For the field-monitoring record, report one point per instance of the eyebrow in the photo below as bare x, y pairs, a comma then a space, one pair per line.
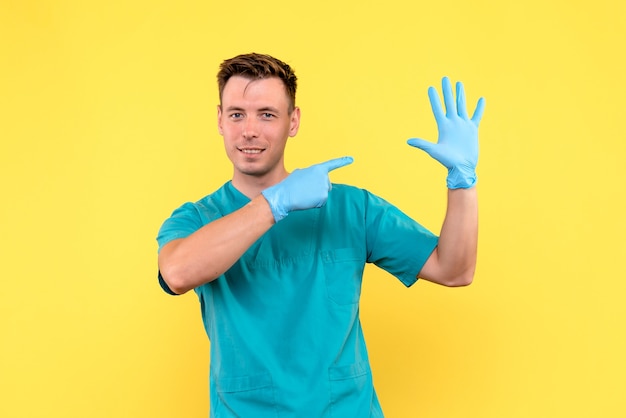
269, 109
262, 109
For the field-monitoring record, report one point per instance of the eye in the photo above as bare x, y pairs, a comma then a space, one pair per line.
267, 115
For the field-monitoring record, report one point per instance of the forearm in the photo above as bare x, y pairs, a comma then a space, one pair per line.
454, 260
206, 254
458, 239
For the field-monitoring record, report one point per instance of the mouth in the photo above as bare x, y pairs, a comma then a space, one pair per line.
250, 150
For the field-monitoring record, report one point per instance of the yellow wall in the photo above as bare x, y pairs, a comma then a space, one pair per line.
107, 123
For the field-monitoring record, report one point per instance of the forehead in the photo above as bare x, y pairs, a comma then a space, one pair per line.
240, 90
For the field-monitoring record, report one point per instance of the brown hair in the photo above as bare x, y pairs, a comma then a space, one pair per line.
258, 66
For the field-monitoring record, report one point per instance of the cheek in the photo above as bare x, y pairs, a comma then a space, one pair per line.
229, 130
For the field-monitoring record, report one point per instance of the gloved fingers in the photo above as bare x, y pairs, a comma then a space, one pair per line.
478, 113
460, 100
435, 104
336, 163
448, 97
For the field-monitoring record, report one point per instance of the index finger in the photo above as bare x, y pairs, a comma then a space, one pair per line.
435, 104
336, 163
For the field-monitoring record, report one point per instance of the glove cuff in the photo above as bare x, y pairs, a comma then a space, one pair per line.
461, 178
271, 195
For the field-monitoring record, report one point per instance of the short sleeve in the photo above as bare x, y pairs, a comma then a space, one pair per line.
183, 222
395, 242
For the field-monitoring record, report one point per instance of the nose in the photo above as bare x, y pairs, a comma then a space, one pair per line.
250, 128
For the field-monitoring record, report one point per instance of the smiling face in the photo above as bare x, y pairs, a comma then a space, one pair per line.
255, 122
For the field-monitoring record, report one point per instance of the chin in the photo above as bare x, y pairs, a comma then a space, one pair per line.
252, 170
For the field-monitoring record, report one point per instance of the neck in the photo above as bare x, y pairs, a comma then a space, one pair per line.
251, 186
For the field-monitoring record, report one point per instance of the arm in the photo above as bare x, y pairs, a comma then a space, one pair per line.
454, 260
205, 255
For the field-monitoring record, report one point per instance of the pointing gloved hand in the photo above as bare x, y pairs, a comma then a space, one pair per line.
457, 145
304, 188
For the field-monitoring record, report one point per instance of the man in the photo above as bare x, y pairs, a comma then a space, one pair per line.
277, 259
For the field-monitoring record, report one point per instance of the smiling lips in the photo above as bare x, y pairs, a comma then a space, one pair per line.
251, 150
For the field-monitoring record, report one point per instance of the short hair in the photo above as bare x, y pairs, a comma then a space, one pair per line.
258, 66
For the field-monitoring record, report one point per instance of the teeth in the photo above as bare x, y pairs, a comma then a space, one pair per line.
251, 151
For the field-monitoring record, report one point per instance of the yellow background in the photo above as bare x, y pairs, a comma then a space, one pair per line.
107, 123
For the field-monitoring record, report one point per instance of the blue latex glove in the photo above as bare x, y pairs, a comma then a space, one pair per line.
457, 145
305, 188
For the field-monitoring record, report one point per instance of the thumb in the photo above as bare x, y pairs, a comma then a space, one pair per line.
336, 163
421, 144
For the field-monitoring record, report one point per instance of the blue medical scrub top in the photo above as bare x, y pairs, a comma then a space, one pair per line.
283, 321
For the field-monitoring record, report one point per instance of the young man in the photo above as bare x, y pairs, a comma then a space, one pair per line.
277, 258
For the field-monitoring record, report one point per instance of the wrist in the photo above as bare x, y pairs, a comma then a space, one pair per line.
261, 210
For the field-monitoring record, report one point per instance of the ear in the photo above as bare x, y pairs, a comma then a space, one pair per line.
294, 123
219, 119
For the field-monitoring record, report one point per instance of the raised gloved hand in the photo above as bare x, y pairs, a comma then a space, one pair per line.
457, 145
304, 188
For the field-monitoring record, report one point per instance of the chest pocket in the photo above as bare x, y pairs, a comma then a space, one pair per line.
343, 271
